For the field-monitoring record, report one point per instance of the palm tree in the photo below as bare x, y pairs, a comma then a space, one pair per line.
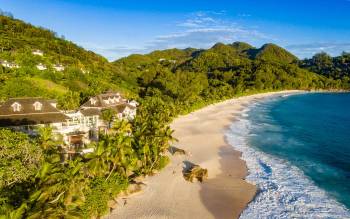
97, 162
59, 191
122, 126
45, 138
108, 116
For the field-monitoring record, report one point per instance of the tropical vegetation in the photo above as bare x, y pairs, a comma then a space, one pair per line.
37, 183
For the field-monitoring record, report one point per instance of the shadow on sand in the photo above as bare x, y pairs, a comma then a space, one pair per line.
227, 194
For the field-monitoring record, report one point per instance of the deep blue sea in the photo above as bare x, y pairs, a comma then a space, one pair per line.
297, 149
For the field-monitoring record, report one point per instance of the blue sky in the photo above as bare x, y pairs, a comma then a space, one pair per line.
121, 27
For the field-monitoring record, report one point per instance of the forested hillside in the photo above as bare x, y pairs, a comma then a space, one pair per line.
192, 78
85, 73
332, 67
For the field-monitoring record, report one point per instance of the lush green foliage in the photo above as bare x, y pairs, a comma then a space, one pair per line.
85, 73
333, 67
171, 82
108, 116
19, 158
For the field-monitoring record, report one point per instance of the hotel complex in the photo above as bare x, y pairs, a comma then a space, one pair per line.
76, 128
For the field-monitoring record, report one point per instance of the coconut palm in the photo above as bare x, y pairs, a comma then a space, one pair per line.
60, 191
97, 162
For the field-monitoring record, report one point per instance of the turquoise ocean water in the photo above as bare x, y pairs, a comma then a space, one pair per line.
297, 149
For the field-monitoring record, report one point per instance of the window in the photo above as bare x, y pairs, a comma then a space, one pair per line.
38, 106
16, 107
93, 101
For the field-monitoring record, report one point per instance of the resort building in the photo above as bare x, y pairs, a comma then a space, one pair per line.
41, 67
76, 128
79, 130
58, 67
123, 108
26, 114
38, 52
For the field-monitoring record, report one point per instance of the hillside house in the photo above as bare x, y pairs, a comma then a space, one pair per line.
79, 130
26, 114
123, 108
38, 52
58, 67
8, 64
41, 67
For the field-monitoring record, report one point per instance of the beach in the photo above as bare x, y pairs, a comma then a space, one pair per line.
224, 194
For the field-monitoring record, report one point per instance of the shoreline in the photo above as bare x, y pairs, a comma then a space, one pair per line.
202, 134
285, 190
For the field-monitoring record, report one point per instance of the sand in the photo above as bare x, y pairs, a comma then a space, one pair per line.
224, 194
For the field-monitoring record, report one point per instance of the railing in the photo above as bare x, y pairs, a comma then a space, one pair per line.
72, 128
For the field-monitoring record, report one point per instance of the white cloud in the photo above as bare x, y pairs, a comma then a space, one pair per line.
198, 30
202, 30
244, 15
310, 49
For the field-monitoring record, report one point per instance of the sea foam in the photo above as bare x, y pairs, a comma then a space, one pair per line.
283, 190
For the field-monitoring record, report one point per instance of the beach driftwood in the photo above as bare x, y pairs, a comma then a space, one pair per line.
193, 172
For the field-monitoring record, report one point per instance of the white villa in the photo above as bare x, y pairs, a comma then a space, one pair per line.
41, 67
58, 67
8, 64
38, 52
76, 128
24, 114
123, 108
170, 60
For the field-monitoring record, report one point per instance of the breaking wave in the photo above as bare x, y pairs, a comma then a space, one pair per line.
283, 189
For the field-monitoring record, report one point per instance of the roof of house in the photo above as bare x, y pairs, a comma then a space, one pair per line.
90, 112
105, 100
27, 114
98, 111
52, 101
120, 108
130, 106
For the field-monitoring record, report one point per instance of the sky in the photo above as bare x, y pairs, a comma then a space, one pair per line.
119, 28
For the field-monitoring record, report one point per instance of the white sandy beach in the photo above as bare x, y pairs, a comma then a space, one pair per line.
224, 195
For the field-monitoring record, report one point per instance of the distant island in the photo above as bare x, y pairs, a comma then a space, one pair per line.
39, 182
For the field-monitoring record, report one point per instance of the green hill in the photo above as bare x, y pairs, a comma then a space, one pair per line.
242, 46
332, 67
85, 73
197, 77
274, 53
